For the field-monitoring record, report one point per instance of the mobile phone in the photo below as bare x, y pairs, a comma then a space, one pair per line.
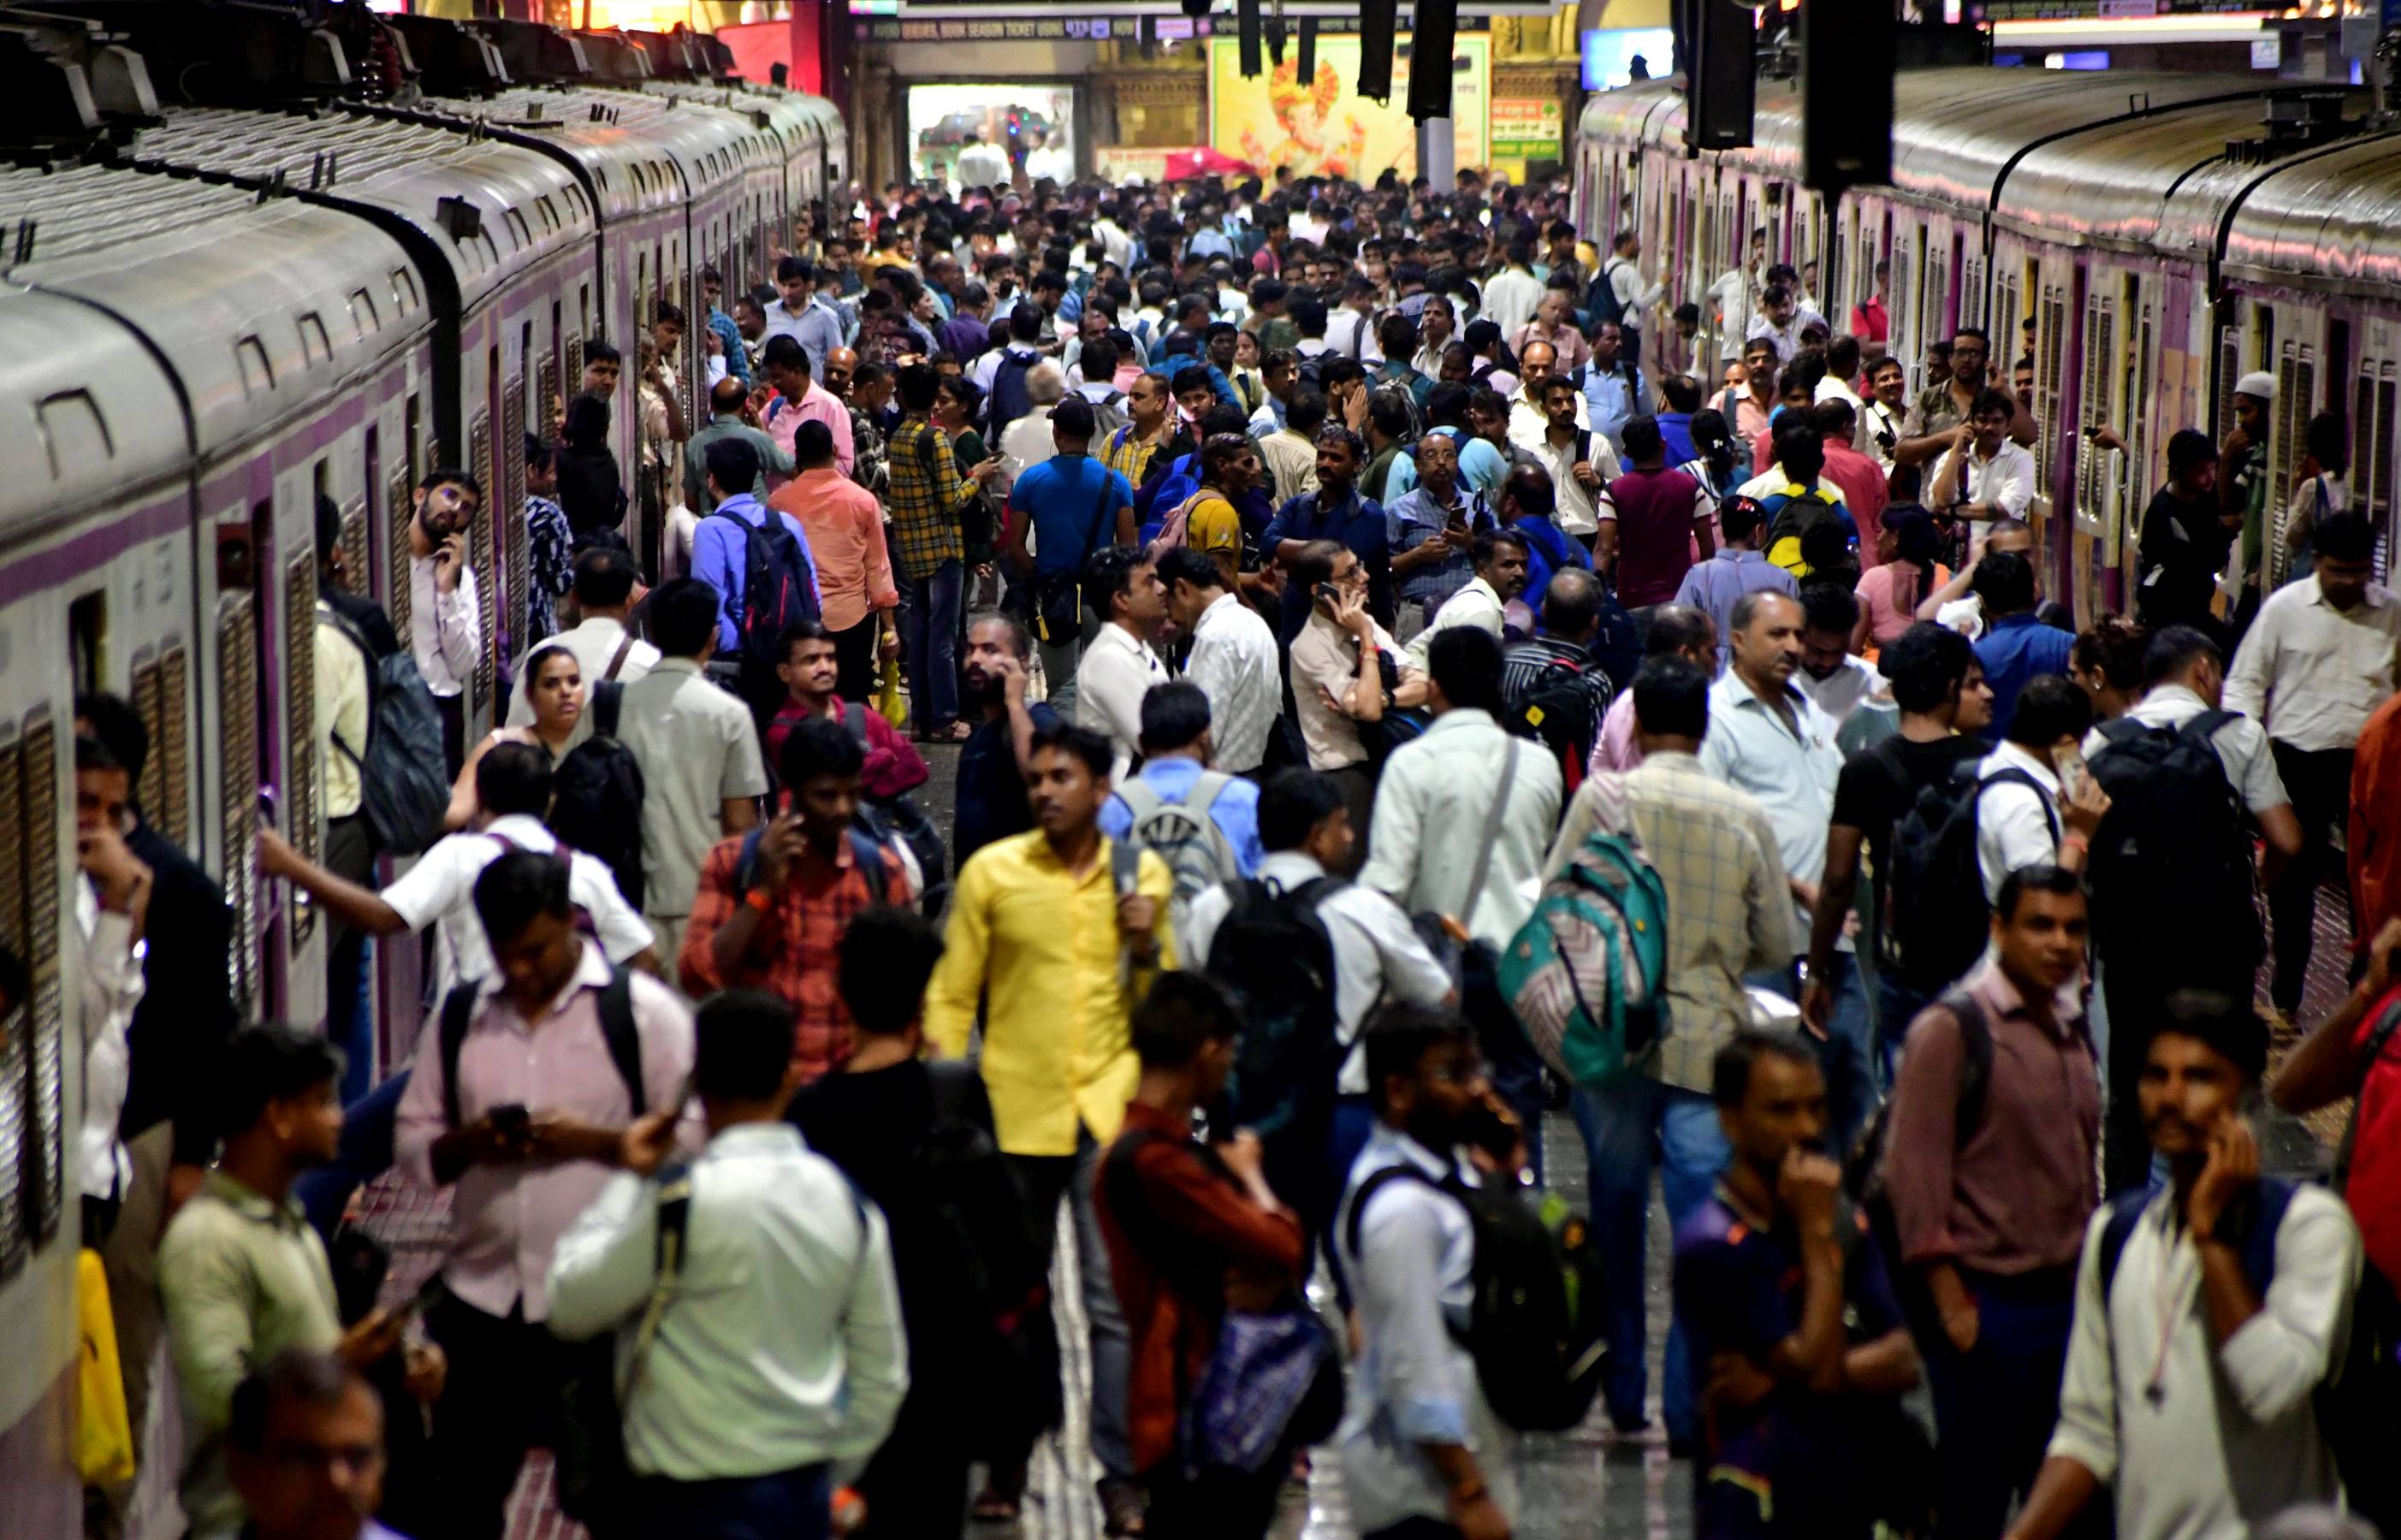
429, 1294
1327, 593
1485, 1129
2073, 772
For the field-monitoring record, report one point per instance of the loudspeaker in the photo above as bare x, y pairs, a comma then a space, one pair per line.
1433, 40
1377, 22
1717, 95
1846, 63
1275, 40
1246, 18
1305, 65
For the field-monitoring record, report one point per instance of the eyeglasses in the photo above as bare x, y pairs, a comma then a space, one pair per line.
349, 1460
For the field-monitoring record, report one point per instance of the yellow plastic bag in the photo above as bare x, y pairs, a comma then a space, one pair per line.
893, 709
103, 1433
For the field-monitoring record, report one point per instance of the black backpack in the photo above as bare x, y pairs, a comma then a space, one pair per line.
1011, 399
1863, 1173
1535, 1325
1560, 713
1936, 916
2171, 863
1600, 301
404, 772
1274, 947
899, 816
617, 1029
779, 590
597, 796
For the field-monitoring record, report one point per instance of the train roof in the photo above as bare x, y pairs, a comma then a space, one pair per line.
2143, 185
258, 306
2329, 218
376, 161
644, 152
87, 414
787, 114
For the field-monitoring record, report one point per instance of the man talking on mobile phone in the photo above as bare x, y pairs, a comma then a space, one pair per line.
445, 628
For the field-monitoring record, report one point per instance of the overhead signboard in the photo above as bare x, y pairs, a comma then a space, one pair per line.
2104, 10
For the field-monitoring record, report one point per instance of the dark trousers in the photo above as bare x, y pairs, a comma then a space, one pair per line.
854, 659
1216, 1505
498, 1400
2319, 783
1418, 1529
917, 1483
453, 711
350, 854
1046, 1181
787, 1505
1995, 1404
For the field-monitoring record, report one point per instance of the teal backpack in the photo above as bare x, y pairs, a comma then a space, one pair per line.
1586, 972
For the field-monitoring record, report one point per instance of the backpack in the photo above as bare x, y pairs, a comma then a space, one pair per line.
1174, 530
597, 796
617, 1030
1198, 856
1108, 414
1274, 946
866, 848
1009, 398
1586, 974
1558, 713
1535, 1325
403, 775
1797, 531
1600, 301
2171, 863
2358, 1403
1864, 1178
779, 590
1936, 916
1618, 644
899, 816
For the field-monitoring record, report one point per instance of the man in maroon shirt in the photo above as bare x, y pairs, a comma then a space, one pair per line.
1193, 1230
809, 671
1651, 519
1991, 1189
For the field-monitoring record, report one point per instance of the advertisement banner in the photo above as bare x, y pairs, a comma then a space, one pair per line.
1118, 164
1323, 126
1526, 128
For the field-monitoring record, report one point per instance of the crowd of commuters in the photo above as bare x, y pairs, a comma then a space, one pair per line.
1312, 581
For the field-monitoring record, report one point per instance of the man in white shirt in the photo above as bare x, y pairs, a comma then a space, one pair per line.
1528, 421
1234, 660
2315, 664
774, 1357
1736, 295
1635, 298
1512, 294
1122, 584
112, 902
2026, 816
1377, 955
605, 650
1834, 680
1027, 441
1778, 322
1350, 331
2207, 1315
1984, 476
512, 788
981, 165
1501, 558
445, 628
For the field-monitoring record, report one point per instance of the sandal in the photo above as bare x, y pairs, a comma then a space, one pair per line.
1121, 1510
992, 1507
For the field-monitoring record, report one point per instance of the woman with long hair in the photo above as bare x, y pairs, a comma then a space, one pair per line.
1907, 545
1717, 463
554, 688
590, 491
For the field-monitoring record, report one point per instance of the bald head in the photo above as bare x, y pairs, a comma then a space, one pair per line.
726, 397
1571, 605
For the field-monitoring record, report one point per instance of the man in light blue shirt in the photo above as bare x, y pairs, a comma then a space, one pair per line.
1736, 569
1614, 388
1175, 750
1431, 530
721, 552
805, 315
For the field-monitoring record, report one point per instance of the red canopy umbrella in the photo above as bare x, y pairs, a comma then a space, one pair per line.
1185, 164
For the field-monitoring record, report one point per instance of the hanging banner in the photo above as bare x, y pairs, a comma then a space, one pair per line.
1526, 128
1323, 128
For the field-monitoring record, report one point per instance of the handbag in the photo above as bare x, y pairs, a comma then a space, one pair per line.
1273, 1382
595, 1478
103, 1431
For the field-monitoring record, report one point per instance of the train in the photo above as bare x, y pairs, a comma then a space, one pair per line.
256, 255
2166, 234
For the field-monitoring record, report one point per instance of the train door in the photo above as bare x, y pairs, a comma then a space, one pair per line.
1903, 295
2375, 399
2300, 353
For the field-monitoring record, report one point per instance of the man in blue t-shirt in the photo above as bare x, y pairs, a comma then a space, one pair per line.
1060, 511
2016, 647
1795, 1334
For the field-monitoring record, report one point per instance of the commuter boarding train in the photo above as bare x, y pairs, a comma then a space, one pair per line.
2166, 234
256, 254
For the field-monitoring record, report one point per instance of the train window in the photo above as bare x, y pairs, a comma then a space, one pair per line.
45, 1082
15, 1042
150, 786
73, 431
364, 318
403, 289
300, 771
87, 638
514, 554
479, 538
171, 748
250, 357
549, 216
238, 789
519, 229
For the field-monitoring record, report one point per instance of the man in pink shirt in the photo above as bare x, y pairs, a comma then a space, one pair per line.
1859, 479
800, 399
559, 1058
1670, 630
846, 529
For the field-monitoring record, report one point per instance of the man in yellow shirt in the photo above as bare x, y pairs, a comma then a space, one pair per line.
1058, 931
1230, 468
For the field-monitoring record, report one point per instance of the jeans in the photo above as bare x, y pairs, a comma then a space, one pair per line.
1045, 1180
929, 641
1995, 1404
1848, 1058
2319, 782
1897, 1005
1059, 660
785, 1504
350, 1018
1621, 1126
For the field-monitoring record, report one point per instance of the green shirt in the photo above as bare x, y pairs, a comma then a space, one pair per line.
244, 1279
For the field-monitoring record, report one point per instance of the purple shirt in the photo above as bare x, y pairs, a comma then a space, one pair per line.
507, 1217
1716, 584
967, 336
